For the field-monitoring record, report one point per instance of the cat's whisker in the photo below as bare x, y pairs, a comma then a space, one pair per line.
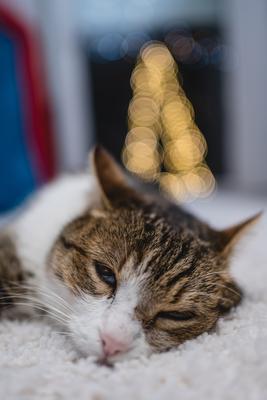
66, 334
56, 299
214, 284
54, 318
49, 293
38, 307
125, 247
228, 288
49, 290
220, 273
62, 285
30, 300
58, 311
37, 300
38, 304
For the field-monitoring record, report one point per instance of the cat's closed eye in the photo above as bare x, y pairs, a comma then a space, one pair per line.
105, 274
176, 315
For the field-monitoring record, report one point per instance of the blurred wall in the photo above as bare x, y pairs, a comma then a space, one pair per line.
245, 26
26, 8
68, 80
54, 24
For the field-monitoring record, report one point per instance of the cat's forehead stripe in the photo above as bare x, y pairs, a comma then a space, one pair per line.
142, 267
186, 273
169, 256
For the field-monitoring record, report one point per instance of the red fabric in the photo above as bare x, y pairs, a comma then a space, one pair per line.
35, 102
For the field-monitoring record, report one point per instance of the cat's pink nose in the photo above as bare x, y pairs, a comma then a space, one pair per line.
112, 345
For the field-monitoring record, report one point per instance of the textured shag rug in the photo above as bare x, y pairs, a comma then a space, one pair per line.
230, 363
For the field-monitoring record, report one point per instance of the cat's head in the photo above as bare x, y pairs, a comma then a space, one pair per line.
140, 274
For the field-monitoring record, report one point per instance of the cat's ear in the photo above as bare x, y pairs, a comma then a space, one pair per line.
228, 238
112, 180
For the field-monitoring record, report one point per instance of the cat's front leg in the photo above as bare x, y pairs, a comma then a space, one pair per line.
12, 276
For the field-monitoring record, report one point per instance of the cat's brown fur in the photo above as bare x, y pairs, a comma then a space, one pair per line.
185, 263
11, 271
180, 262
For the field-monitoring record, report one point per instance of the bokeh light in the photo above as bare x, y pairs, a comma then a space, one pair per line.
164, 143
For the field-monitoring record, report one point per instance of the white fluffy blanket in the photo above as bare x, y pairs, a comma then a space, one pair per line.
231, 363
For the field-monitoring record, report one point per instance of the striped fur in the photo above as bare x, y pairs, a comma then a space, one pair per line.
174, 266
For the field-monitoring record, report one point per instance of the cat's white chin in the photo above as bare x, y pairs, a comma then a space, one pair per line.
139, 350
96, 353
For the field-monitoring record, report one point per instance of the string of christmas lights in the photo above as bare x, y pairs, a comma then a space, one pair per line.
164, 143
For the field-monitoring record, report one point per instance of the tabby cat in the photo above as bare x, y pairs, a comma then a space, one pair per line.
124, 273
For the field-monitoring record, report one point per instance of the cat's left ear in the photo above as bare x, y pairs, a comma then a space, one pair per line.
112, 181
230, 236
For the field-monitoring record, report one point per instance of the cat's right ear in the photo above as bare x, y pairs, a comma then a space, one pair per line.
112, 181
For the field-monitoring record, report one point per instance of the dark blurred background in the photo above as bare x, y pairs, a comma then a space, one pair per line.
65, 71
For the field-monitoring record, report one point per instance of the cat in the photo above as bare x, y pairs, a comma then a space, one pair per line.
124, 273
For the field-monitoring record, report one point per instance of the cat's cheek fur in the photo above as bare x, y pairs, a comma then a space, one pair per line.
85, 323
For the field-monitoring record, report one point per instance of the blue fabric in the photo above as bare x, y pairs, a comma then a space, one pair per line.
16, 175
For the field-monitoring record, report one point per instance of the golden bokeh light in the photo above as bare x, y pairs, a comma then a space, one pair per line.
156, 56
163, 142
142, 159
184, 153
143, 111
173, 185
142, 134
